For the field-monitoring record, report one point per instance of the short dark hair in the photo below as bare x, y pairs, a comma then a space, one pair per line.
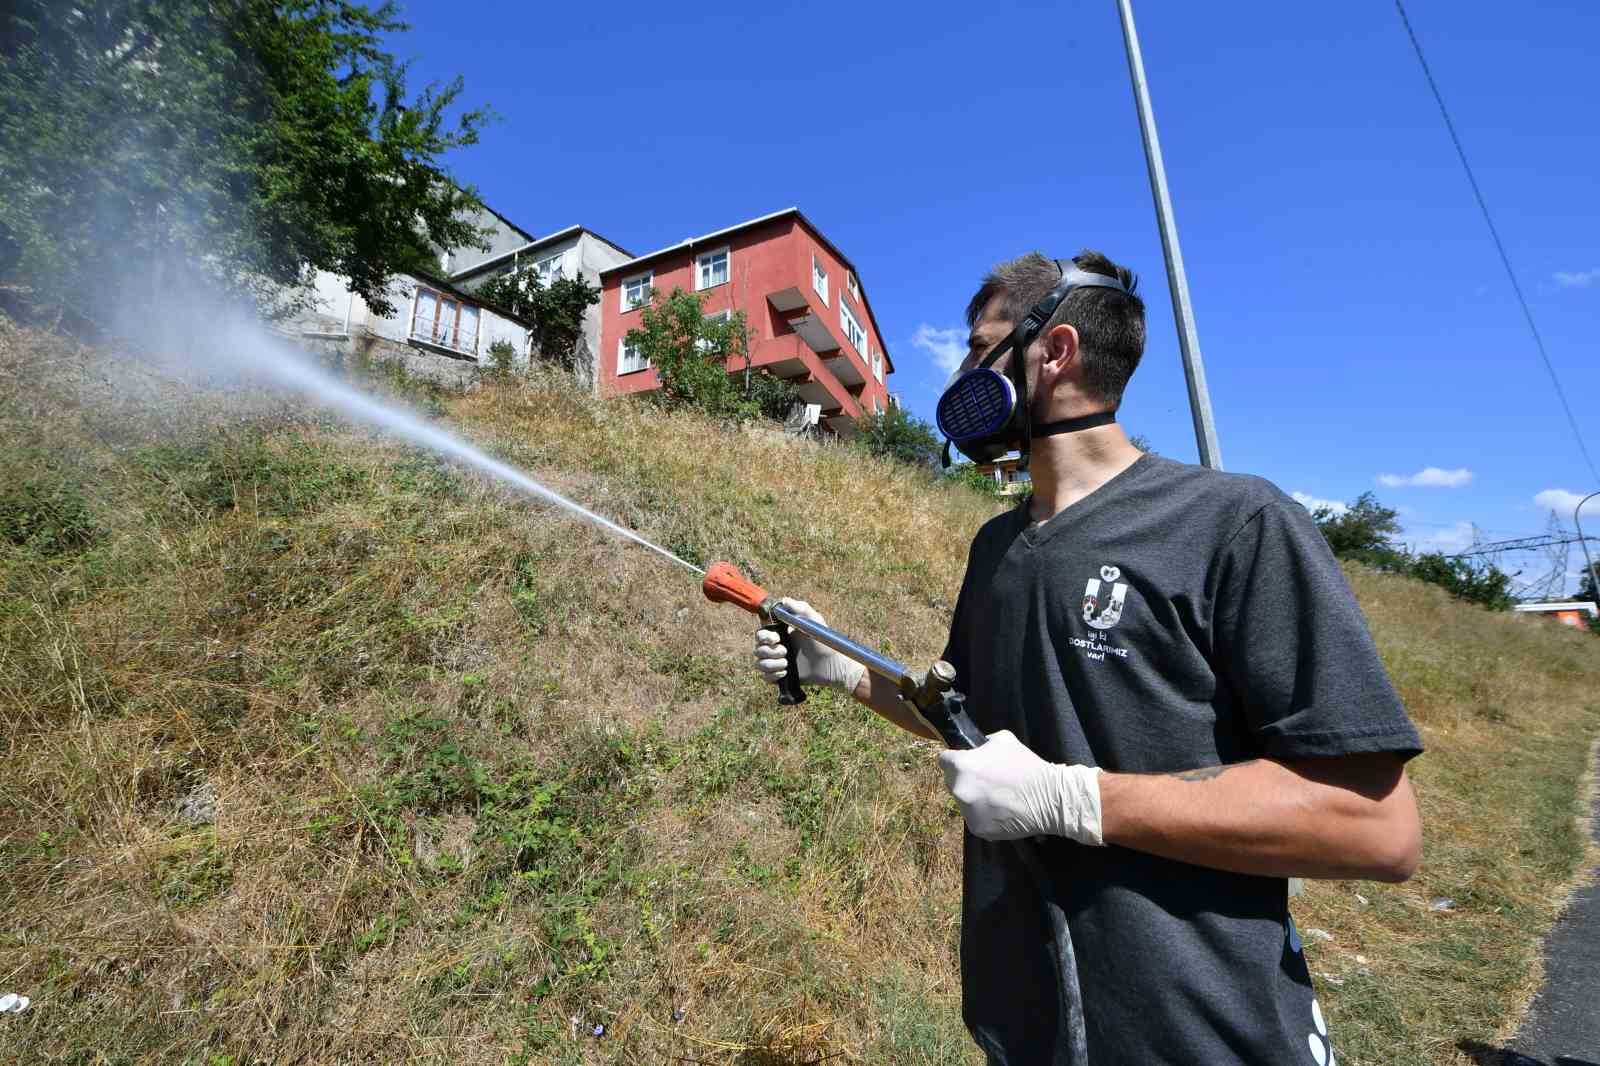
1110, 324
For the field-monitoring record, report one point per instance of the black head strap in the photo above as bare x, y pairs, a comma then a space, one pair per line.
1071, 278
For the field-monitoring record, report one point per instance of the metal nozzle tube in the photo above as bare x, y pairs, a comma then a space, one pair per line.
878, 664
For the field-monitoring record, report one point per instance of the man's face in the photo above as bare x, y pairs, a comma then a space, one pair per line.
991, 328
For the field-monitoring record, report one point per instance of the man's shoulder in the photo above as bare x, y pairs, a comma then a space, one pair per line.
1231, 498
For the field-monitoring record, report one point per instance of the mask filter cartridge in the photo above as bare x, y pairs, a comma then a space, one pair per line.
977, 404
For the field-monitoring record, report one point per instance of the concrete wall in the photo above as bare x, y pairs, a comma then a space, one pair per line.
595, 256
502, 238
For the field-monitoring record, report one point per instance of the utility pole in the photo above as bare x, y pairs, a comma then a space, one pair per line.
1205, 430
1594, 578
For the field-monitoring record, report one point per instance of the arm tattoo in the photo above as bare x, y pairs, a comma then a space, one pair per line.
1206, 773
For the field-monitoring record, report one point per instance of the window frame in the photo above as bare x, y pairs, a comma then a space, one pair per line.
555, 272
452, 337
852, 284
648, 277
819, 270
858, 338
726, 252
623, 348
715, 316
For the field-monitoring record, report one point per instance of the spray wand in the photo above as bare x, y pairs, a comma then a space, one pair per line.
932, 697
934, 701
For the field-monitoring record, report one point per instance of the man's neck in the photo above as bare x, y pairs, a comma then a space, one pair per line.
1068, 466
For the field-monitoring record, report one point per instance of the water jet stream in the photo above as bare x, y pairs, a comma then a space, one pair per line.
290, 368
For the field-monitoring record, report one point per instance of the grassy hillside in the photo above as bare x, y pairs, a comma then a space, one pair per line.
321, 751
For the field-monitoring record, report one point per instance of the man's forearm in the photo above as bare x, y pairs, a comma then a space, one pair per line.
883, 696
1348, 817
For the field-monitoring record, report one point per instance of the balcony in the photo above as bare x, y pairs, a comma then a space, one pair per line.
846, 367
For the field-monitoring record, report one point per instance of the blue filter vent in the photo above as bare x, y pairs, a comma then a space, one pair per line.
975, 405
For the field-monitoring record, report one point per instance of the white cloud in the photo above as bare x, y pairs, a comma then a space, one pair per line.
947, 346
1562, 502
1313, 504
1431, 478
1579, 279
1446, 539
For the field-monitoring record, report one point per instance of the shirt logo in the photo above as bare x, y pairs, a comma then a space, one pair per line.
1111, 614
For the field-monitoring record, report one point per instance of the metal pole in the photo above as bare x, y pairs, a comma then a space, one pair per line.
1205, 430
1593, 577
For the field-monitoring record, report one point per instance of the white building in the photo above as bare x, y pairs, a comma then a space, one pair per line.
438, 329
572, 252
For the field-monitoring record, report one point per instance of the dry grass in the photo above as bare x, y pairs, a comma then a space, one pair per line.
479, 771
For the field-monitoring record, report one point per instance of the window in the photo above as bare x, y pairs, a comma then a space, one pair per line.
548, 269
711, 269
852, 330
445, 321
850, 280
819, 279
877, 366
635, 292
704, 343
629, 359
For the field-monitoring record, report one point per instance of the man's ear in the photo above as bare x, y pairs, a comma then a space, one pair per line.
1060, 350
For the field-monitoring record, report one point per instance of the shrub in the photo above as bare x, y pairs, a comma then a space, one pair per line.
899, 435
690, 354
502, 357
969, 476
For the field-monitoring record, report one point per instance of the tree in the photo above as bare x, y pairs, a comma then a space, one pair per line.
1363, 532
1586, 589
690, 353
251, 141
1481, 583
556, 310
899, 435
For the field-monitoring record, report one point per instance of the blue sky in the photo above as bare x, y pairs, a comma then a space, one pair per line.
1353, 315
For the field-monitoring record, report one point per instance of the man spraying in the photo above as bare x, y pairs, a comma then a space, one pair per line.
1183, 705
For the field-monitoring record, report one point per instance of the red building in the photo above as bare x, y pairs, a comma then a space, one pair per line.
807, 310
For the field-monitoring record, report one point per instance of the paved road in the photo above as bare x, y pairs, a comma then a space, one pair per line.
1563, 1024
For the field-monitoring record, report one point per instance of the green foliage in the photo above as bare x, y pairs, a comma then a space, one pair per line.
1365, 533
970, 477
899, 435
555, 310
1481, 583
249, 139
690, 353
502, 355
1140, 441
47, 514
203, 479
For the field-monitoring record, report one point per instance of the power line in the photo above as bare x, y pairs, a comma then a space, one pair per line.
1505, 260
1520, 544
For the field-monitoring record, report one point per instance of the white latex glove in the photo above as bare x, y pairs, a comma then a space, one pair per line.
1006, 792
818, 665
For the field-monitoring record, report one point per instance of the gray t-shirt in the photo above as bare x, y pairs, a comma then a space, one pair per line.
1175, 618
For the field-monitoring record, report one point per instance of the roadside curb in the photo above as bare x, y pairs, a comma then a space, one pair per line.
1562, 1024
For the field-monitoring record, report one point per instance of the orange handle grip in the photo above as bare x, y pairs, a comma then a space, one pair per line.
724, 584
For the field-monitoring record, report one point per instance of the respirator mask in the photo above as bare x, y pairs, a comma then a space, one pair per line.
984, 413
